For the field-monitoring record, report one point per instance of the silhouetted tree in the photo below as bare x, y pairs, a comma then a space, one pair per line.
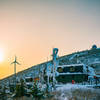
36, 92
3, 95
20, 89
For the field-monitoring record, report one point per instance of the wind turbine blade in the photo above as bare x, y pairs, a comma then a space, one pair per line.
15, 61
15, 58
18, 63
12, 62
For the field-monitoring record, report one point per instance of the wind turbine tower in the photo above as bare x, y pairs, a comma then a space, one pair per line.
15, 63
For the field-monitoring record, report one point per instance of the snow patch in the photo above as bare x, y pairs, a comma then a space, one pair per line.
74, 91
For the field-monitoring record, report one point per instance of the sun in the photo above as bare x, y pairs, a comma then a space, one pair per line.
1, 55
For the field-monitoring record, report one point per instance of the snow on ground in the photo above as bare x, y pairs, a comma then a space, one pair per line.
76, 92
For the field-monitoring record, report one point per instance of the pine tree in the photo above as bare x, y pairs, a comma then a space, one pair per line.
20, 90
3, 95
36, 92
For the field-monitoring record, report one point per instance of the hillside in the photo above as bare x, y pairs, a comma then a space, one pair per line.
86, 57
90, 57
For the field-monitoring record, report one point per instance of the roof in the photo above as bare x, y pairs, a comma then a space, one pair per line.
96, 62
71, 65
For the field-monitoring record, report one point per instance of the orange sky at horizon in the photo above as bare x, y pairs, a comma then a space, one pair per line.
30, 29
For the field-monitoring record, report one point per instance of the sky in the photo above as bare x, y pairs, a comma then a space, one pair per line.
30, 29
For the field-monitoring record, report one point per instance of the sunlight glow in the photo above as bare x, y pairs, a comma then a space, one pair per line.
1, 55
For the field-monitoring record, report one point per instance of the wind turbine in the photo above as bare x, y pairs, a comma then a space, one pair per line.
15, 62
